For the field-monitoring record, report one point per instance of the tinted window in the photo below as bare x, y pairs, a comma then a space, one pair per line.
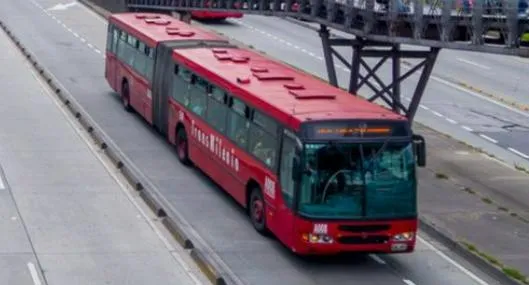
238, 124
198, 96
265, 122
180, 85
216, 111
263, 145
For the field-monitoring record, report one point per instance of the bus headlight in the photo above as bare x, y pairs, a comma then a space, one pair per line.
317, 238
406, 236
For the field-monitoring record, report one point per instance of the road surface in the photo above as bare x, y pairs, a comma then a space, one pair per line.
65, 217
71, 43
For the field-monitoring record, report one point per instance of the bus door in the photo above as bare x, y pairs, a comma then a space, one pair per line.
284, 216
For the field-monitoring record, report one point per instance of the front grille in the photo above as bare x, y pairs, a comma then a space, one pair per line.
374, 239
364, 228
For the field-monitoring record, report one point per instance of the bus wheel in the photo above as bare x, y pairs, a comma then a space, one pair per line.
182, 146
258, 211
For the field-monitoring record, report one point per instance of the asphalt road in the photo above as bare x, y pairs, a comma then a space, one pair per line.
446, 107
64, 217
70, 42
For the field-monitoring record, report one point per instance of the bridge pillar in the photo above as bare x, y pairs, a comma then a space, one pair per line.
388, 92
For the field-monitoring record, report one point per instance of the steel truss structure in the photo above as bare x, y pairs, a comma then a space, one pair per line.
388, 92
491, 26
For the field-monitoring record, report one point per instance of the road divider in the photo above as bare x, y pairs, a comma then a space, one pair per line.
217, 273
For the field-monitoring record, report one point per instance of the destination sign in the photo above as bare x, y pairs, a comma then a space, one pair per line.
352, 131
359, 129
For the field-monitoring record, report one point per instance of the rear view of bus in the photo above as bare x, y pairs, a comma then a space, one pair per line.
355, 186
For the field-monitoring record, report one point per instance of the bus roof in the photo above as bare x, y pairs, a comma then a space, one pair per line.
285, 93
154, 28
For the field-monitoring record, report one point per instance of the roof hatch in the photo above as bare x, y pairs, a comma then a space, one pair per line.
185, 33
311, 94
219, 50
172, 30
240, 59
294, 86
158, 21
223, 56
272, 76
258, 69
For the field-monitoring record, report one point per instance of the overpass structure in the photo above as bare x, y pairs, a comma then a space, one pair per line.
380, 28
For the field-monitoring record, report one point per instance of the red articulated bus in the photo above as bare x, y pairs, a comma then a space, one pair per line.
324, 171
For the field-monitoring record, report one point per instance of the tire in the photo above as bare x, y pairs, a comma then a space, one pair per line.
257, 211
125, 97
182, 146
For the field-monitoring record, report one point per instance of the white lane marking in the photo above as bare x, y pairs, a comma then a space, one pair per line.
408, 282
518, 152
455, 86
437, 114
123, 187
90, 46
2, 184
453, 262
467, 128
97, 51
488, 138
377, 259
82, 40
451, 121
62, 6
34, 274
424, 107
473, 63
75, 34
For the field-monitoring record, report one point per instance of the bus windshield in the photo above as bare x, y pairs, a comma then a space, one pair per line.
358, 181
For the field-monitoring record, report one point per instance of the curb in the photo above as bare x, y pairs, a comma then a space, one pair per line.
428, 226
206, 263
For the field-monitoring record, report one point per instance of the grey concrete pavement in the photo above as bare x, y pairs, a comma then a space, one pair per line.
63, 215
250, 256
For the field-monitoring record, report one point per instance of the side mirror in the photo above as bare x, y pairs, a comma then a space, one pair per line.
420, 149
296, 169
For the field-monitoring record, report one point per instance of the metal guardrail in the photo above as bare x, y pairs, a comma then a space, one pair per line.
490, 26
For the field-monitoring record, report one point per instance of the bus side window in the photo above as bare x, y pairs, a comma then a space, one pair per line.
149, 61
131, 52
217, 109
140, 58
198, 95
238, 123
263, 139
288, 152
180, 84
122, 46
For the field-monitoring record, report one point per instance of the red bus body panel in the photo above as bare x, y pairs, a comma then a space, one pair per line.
283, 93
